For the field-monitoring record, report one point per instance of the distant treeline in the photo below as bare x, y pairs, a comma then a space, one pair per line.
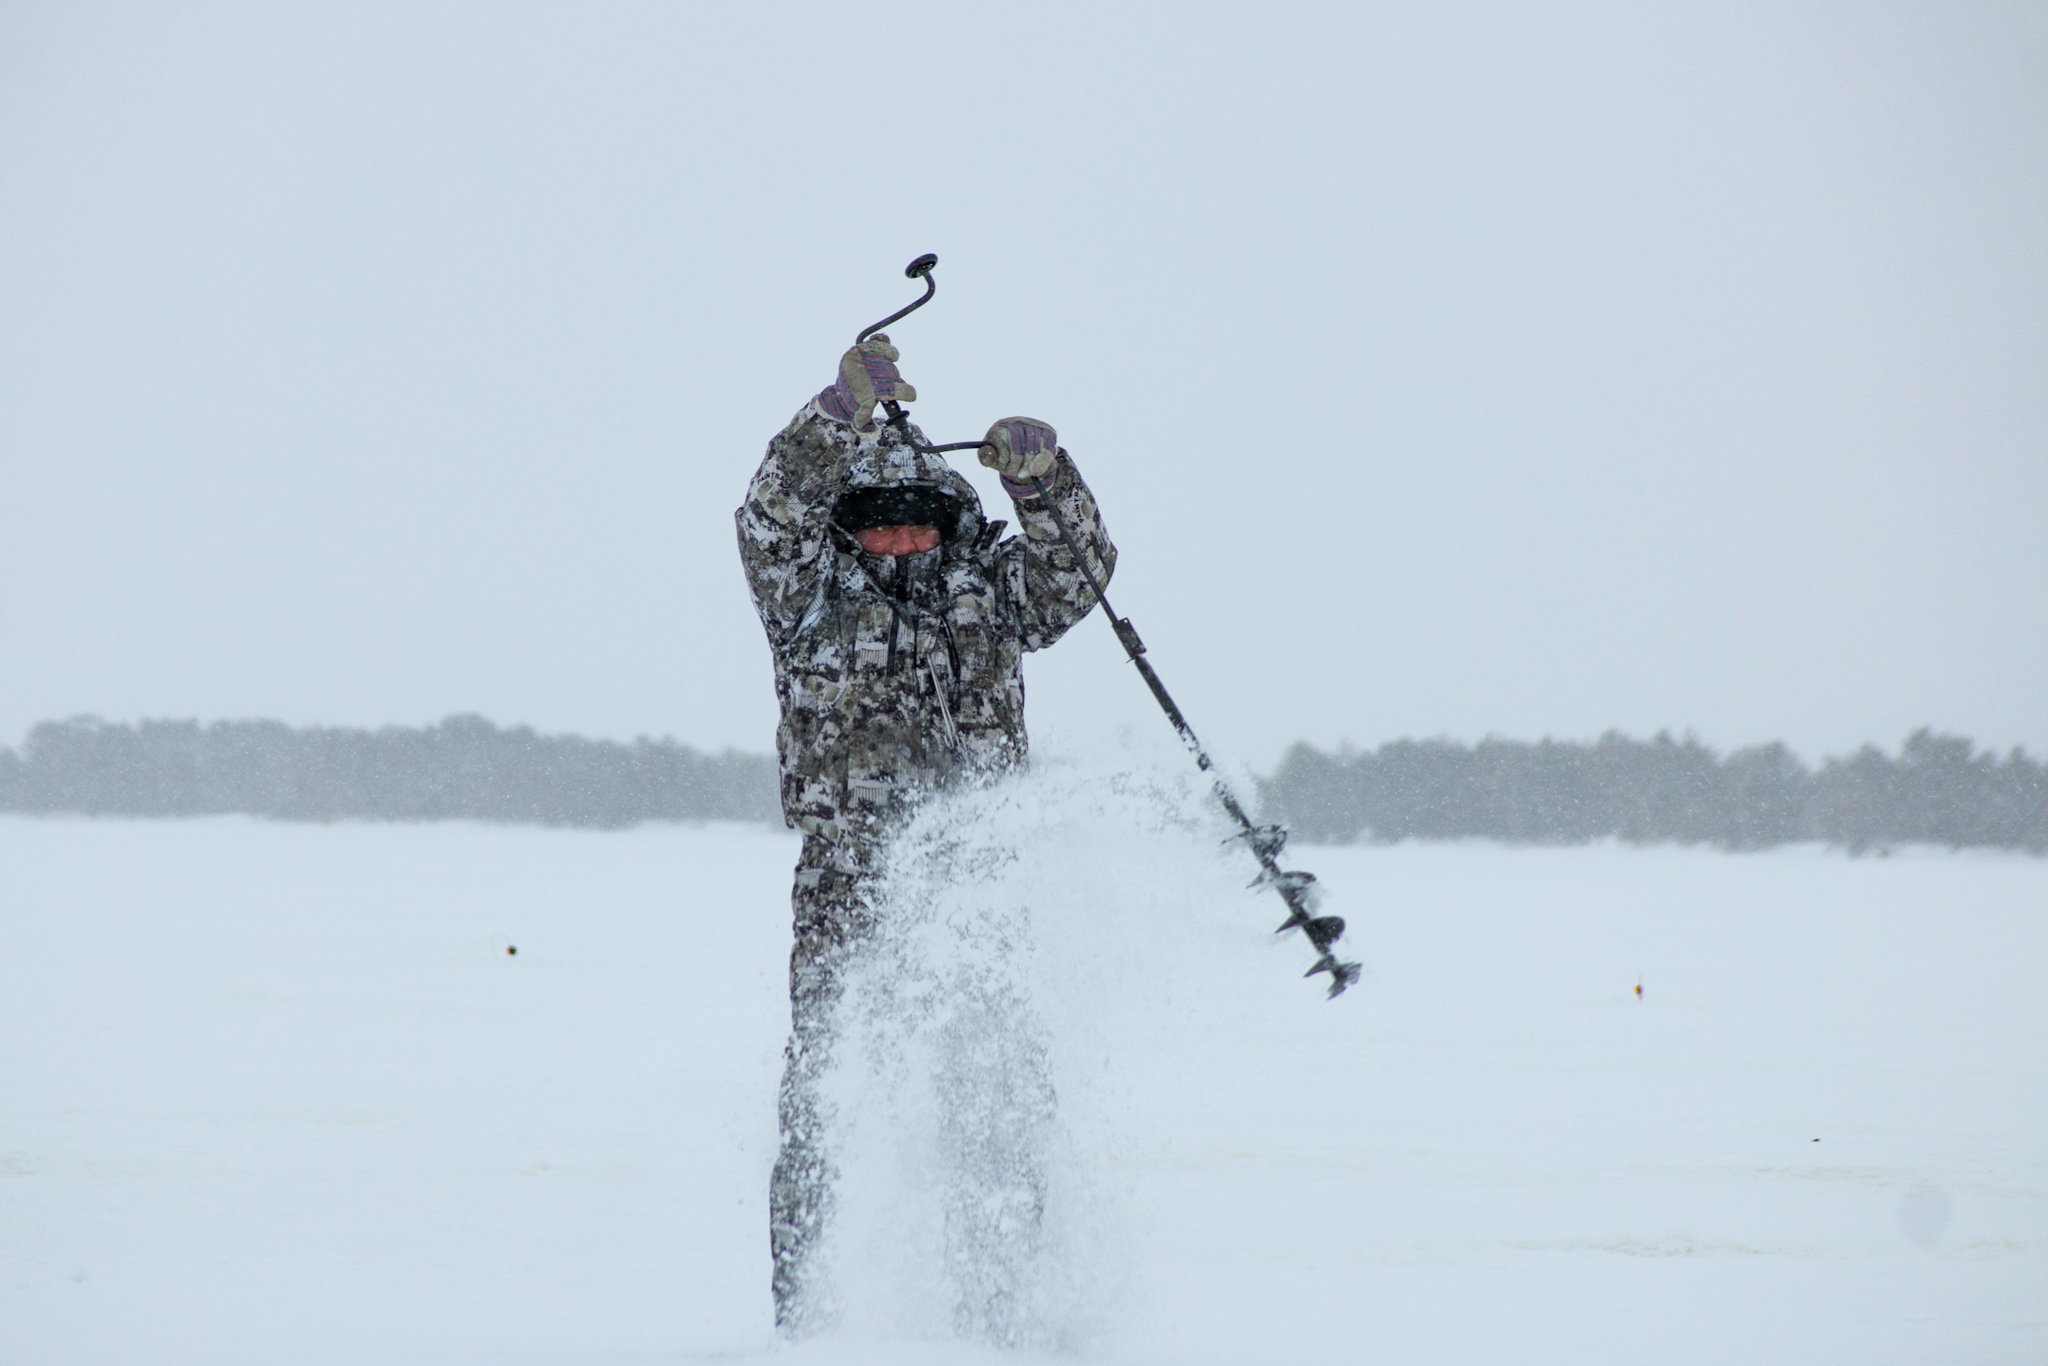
464, 767
1939, 790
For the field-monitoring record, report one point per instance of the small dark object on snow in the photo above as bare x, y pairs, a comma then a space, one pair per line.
511, 950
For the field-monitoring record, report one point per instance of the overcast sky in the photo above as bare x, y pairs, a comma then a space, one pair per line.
1526, 370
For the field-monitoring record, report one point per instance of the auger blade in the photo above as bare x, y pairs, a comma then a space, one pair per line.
1291, 883
1342, 975
1264, 840
1322, 930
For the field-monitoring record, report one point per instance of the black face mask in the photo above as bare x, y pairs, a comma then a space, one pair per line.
912, 505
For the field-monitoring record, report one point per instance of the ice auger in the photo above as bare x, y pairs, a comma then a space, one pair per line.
1297, 889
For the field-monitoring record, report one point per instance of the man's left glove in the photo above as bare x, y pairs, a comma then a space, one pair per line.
867, 376
1019, 448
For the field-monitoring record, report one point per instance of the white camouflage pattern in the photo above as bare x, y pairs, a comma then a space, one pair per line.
895, 673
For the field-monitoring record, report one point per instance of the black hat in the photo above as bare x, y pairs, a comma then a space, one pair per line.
898, 505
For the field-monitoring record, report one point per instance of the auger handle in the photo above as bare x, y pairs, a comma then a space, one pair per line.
920, 269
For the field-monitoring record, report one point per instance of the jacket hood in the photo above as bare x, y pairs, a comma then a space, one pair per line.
892, 462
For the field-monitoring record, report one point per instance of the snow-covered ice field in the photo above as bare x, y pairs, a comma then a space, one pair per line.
279, 1094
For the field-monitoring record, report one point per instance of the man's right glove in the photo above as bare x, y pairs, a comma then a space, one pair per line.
867, 376
1019, 448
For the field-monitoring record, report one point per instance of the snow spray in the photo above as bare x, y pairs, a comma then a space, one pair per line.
1026, 969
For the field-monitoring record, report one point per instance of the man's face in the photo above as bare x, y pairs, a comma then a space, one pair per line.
898, 540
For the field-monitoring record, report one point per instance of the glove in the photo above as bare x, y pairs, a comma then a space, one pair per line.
1019, 448
867, 376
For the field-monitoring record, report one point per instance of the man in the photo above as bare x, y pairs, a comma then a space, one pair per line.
898, 618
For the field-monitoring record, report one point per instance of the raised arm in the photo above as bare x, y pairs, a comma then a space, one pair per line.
785, 545
1050, 590
785, 542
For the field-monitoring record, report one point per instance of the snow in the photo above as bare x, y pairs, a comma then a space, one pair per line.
279, 1093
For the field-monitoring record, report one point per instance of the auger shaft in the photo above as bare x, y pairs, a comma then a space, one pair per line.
1295, 888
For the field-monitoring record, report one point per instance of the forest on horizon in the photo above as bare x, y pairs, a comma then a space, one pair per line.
1938, 789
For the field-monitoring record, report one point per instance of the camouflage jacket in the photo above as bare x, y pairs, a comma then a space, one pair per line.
898, 672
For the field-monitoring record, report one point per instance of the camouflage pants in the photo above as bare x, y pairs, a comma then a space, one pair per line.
832, 915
